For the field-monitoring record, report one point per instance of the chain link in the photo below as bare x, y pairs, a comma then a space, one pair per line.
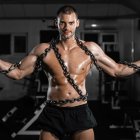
12, 67
88, 52
67, 74
131, 65
65, 101
65, 71
39, 62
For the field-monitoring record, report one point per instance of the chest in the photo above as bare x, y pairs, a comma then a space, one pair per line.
76, 61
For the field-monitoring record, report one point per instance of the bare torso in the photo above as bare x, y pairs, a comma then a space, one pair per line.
78, 64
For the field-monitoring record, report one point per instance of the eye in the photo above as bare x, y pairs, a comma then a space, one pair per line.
61, 23
71, 23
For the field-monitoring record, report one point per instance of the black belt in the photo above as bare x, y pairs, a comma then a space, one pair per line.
65, 101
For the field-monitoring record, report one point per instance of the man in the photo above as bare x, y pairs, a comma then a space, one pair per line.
67, 60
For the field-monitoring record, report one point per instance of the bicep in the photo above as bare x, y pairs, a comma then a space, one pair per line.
108, 65
105, 62
26, 67
28, 64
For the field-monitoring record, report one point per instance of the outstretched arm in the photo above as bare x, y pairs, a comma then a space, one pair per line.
117, 69
26, 66
110, 66
18, 71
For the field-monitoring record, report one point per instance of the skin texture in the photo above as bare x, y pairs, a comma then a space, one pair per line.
77, 62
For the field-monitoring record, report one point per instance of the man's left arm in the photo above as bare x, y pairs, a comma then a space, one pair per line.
111, 67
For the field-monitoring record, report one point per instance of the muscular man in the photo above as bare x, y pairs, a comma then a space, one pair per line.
67, 61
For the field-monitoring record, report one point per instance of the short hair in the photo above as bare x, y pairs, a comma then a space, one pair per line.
67, 9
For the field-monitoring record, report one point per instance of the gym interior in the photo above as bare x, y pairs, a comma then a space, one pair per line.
115, 102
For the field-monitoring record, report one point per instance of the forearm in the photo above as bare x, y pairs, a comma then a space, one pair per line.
9, 69
4, 66
19, 70
127, 68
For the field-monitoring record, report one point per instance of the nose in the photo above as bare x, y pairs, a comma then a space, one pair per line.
66, 26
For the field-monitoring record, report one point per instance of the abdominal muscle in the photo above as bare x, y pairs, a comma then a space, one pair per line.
61, 89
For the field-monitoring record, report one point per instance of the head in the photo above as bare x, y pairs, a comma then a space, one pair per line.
67, 21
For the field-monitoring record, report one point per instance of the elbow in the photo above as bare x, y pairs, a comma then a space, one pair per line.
112, 73
115, 73
15, 75
18, 76
118, 71
118, 74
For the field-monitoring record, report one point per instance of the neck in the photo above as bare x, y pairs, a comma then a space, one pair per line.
69, 43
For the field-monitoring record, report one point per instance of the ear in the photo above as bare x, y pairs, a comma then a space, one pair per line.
78, 23
55, 22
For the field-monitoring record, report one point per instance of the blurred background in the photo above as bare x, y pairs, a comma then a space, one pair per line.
115, 102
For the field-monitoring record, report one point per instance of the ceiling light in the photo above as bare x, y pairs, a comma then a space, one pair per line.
93, 25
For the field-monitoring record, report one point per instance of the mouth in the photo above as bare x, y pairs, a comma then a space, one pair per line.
66, 33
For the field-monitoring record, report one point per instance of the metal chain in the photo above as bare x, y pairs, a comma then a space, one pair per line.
38, 64
39, 59
131, 65
65, 101
12, 67
88, 52
65, 71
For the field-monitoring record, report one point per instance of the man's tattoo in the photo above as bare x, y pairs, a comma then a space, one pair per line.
12, 67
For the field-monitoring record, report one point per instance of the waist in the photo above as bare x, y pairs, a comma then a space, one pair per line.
68, 107
67, 101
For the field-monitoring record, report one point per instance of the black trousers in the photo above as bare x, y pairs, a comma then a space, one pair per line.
63, 121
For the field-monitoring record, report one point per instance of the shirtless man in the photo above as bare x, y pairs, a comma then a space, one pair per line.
66, 110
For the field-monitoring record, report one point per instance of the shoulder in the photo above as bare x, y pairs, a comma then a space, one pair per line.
93, 47
40, 48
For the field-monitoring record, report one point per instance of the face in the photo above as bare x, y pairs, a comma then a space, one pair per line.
67, 24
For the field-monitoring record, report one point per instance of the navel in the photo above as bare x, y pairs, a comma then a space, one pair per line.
83, 69
69, 93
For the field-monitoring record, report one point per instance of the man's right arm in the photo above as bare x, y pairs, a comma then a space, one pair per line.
18, 71
26, 66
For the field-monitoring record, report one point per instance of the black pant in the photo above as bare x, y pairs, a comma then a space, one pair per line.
63, 121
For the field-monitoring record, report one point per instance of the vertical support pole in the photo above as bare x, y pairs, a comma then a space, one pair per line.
132, 55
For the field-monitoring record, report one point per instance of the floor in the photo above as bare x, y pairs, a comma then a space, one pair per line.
113, 124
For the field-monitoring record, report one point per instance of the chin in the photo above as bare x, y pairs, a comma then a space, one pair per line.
68, 37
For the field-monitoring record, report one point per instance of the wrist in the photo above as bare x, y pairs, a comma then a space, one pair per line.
1, 68
0, 63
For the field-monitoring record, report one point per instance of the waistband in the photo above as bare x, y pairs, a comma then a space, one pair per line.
68, 107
